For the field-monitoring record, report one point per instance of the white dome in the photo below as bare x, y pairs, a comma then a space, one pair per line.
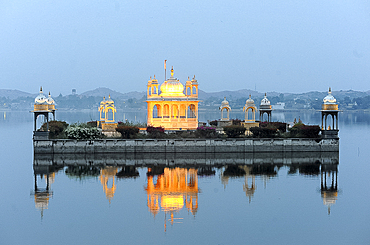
265, 101
224, 103
249, 101
329, 99
41, 99
172, 87
50, 100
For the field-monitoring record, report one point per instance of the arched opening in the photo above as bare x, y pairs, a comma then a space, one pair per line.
250, 114
156, 111
191, 111
166, 111
194, 90
150, 91
109, 115
182, 111
175, 111
188, 91
154, 90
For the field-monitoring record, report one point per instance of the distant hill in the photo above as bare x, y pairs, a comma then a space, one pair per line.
13, 94
243, 93
101, 92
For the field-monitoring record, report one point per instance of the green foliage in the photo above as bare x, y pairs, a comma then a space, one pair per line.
234, 131
274, 125
300, 130
206, 132
213, 123
236, 122
56, 129
128, 132
263, 132
155, 132
82, 131
133, 124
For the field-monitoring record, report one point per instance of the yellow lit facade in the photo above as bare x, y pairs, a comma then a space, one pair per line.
107, 112
171, 105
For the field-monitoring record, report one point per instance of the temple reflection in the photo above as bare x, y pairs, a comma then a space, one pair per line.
329, 185
42, 191
172, 187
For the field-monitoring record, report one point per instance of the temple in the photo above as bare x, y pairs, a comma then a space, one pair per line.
171, 106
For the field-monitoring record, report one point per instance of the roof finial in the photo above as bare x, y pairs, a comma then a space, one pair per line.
172, 71
154, 76
329, 90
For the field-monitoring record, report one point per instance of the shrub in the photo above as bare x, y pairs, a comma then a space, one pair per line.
155, 132
304, 131
56, 129
213, 123
206, 132
263, 132
236, 122
132, 124
234, 131
83, 132
274, 125
128, 132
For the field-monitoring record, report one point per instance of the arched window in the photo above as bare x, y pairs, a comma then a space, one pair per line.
182, 111
194, 90
188, 91
166, 111
191, 111
156, 111
175, 111
154, 90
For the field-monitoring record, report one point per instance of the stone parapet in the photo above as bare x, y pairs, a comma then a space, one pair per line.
237, 145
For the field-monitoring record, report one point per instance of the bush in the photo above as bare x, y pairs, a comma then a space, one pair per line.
304, 131
274, 125
263, 132
213, 123
234, 131
83, 132
56, 129
236, 122
155, 132
206, 132
128, 132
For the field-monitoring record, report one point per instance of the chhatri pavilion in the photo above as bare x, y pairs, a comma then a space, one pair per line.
171, 106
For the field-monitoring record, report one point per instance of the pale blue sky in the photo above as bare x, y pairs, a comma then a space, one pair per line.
283, 46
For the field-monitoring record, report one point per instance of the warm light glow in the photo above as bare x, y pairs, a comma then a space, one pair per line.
171, 203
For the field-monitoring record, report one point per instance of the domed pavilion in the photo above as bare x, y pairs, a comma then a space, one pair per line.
265, 107
329, 108
171, 105
43, 106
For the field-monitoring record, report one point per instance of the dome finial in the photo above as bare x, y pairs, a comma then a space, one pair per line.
329, 90
172, 71
40, 89
154, 76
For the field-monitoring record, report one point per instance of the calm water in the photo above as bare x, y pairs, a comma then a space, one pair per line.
259, 204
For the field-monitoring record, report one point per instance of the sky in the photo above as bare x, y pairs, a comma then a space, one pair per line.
282, 46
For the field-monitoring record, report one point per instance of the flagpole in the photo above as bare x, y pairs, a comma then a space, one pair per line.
165, 70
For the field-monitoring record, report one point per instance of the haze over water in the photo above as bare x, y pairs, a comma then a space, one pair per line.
269, 204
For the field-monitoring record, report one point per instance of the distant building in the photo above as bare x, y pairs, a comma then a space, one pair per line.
279, 106
74, 91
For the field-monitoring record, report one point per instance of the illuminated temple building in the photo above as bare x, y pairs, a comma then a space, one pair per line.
171, 106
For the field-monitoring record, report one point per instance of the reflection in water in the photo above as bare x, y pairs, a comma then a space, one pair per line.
167, 191
106, 175
171, 187
329, 186
43, 194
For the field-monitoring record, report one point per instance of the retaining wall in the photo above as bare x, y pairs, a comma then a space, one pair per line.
184, 146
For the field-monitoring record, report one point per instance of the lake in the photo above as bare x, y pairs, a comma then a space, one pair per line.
272, 201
